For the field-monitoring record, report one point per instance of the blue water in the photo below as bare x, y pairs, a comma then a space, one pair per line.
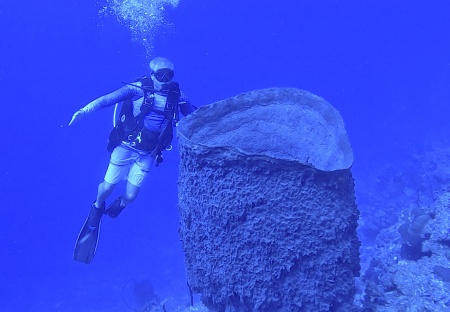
385, 65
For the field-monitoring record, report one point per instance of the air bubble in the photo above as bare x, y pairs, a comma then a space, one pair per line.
142, 17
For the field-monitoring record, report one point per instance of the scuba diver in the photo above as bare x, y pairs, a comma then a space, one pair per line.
143, 130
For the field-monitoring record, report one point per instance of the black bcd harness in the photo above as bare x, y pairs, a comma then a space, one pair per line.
131, 129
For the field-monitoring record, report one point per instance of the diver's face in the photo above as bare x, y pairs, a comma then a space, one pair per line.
161, 76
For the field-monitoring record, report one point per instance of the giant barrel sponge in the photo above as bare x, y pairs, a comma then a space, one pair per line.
267, 208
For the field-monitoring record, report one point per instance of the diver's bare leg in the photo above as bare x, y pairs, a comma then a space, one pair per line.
104, 190
130, 195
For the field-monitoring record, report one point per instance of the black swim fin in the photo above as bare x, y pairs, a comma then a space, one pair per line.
87, 240
115, 208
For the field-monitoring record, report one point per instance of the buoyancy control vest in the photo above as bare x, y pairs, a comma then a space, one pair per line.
131, 129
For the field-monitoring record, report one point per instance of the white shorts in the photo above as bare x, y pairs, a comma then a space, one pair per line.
128, 163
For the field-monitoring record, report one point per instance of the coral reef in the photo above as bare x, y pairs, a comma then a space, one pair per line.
410, 264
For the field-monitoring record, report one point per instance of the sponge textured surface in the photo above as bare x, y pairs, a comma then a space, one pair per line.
266, 226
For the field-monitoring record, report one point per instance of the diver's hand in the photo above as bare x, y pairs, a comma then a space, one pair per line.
77, 116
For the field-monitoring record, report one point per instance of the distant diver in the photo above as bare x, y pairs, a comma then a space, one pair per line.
143, 130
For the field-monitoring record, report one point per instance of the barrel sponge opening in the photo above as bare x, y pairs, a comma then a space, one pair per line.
281, 123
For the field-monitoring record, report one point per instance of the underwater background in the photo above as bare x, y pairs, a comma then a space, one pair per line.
385, 65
